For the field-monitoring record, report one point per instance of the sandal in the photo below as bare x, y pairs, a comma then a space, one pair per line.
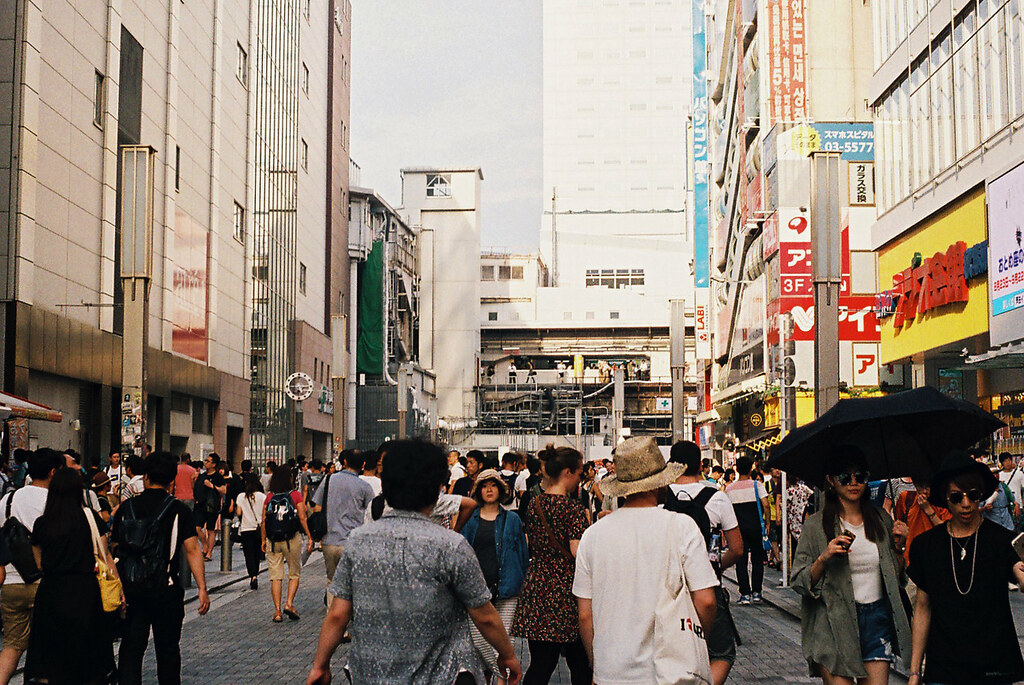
278, 618
291, 613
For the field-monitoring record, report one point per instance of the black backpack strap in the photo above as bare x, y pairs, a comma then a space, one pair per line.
704, 496
10, 501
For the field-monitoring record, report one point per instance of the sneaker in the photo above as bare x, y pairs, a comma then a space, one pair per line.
744, 601
756, 598
1013, 587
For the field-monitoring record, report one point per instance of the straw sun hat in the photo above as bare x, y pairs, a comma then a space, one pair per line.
639, 467
490, 475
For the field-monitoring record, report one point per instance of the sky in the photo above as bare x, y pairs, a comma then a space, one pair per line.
452, 83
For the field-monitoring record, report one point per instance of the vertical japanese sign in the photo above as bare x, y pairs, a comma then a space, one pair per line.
787, 61
701, 249
1006, 256
189, 288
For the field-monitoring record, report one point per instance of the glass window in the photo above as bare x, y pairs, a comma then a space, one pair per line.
305, 79
965, 88
242, 67
439, 185
992, 70
239, 223
304, 159
492, 316
942, 116
98, 101
504, 273
613, 315
517, 273
1015, 57
487, 272
302, 278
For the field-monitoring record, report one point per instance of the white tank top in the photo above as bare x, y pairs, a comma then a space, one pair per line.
865, 567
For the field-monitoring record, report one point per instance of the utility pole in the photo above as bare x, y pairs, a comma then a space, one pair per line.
554, 237
136, 273
618, 405
677, 361
827, 276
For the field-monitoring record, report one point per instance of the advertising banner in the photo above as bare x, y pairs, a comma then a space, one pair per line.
702, 323
787, 59
701, 262
189, 287
1006, 256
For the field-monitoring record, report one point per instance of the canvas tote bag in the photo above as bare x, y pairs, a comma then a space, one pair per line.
680, 646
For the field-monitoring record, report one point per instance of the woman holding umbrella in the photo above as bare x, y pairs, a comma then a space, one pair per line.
963, 626
847, 569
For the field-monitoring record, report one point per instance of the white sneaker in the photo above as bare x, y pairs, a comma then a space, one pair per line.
1013, 587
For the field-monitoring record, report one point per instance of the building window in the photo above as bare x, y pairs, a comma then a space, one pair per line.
304, 160
567, 316
243, 66
492, 316
177, 168
302, 278
487, 272
613, 315
439, 185
305, 79
614, 278
510, 273
590, 316
99, 101
239, 223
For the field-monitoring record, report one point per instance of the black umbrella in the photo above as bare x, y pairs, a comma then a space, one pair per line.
904, 434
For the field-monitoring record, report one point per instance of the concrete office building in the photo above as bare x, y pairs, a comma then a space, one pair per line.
614, 152
78, 81
948, 93
443, 205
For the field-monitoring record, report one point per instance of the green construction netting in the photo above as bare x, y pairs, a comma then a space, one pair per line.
370, 346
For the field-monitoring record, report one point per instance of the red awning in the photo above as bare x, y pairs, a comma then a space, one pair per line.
20, 408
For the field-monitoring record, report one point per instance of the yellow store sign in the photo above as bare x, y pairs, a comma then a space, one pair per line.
923, 320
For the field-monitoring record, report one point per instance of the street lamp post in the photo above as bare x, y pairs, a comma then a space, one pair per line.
136, 276
828, 274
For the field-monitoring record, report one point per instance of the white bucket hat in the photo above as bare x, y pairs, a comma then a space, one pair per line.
639, 467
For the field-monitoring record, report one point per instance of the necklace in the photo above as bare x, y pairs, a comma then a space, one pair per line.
963, 547
963, 555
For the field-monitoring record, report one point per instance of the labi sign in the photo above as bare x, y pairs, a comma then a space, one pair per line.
932, 282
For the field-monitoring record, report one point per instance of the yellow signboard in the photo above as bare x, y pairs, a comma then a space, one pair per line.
962, 221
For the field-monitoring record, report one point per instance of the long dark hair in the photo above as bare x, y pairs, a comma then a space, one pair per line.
845, 458
251, 485
65, 500
281, 481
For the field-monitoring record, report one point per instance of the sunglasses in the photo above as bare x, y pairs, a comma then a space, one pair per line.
846, 479
957, 496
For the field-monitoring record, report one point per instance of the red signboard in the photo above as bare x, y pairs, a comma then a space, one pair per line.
787, 78
770, 236
857, 320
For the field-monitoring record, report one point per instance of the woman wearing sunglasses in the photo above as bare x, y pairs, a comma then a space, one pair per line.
847, 570
963, 626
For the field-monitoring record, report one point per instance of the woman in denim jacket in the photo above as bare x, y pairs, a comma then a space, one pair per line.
497, 537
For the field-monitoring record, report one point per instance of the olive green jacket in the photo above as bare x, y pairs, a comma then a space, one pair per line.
830, 635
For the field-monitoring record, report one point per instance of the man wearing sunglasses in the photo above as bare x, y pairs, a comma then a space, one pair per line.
963, 629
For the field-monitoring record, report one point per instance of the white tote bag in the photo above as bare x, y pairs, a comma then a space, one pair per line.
680, 645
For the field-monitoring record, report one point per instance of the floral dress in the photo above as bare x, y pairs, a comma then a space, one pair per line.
547, 608
799, 495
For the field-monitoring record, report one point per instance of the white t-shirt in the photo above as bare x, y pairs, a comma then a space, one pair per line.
865, 567
621, 564
374, 482
117, 476
27, 506
252, 512
520, 485
1015, 481
719, 507
446, 506
456, 472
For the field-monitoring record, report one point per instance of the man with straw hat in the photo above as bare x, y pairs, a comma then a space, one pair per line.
626, 560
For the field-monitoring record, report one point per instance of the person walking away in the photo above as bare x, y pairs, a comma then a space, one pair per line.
134, 470
248, 474
149, 533
1012, 475
895, 487
17, 596
414, 586
268, 470
68, 598
208, 490
624, 560
713, 512
233, 486
250, 504
345, 497
498, 539
773, 516
283, 525
546, 614
510, 473
847, 569
963, 625
371, 471
474, 465
913, 508
184, 481
750, 501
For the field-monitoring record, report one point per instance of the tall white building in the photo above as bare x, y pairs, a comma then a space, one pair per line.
616, 100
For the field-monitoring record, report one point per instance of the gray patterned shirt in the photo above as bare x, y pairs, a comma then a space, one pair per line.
410, 582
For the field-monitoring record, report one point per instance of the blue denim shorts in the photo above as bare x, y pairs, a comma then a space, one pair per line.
876, 632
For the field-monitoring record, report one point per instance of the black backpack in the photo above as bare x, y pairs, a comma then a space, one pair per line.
282, 517
19, 544
694, 507
144, 551
317, 521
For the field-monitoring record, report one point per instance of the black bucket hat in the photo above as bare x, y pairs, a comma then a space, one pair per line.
958, 463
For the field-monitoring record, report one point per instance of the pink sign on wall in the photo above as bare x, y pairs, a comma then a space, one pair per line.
189, 287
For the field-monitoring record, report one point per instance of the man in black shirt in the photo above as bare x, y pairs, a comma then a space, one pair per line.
161, 609
474, 463
209, 488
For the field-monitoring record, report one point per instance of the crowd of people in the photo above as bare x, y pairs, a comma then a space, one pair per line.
435, 561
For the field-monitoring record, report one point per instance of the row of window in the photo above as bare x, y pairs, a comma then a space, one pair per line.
567, 316
893, 20
614, 278
505, 272
963, 91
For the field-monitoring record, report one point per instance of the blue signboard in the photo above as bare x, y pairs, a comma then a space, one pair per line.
702, 255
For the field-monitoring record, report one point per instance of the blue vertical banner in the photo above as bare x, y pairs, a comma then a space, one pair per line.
702, 257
